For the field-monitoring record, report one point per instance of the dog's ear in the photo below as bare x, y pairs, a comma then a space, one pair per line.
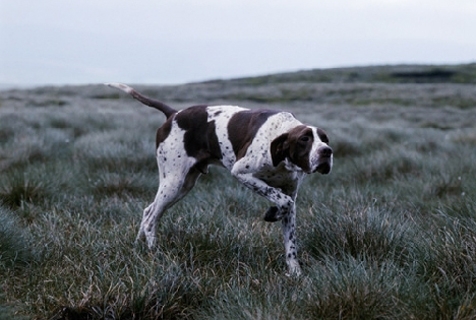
279, 149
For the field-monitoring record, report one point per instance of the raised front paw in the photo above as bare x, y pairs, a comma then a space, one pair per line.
273, 214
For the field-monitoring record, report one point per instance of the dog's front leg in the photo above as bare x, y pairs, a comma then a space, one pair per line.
286, 208
275, 195
289, 234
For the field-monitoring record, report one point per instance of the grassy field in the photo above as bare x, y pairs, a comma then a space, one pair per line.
389, 234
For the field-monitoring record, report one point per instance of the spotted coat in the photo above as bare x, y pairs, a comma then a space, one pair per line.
268, 151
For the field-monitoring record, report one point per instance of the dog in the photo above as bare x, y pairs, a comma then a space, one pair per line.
268, 151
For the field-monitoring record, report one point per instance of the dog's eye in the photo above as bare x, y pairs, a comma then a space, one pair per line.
304, 139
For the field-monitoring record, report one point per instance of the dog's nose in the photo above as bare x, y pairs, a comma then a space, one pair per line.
325, 151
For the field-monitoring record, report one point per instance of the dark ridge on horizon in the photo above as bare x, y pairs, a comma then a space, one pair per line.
401, 73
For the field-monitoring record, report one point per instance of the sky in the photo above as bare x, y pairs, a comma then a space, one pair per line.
177, 41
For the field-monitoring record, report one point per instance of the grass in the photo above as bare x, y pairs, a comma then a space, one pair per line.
390, 234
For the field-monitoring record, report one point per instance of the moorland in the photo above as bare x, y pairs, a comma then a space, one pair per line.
389, 234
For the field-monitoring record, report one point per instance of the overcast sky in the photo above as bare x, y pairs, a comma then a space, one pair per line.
177, 41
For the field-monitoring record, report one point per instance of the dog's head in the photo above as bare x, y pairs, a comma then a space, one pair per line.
305, 146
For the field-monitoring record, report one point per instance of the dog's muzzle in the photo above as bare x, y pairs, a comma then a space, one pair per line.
324, 163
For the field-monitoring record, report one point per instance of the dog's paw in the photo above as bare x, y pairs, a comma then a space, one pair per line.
294, 270
273, 214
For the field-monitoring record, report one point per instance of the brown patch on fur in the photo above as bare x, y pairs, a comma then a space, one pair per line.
163, 132
243, 127
296, 145
200, 139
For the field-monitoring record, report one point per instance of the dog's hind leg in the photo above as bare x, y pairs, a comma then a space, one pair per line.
170, 191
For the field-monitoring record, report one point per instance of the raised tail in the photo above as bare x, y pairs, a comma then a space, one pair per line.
168, 111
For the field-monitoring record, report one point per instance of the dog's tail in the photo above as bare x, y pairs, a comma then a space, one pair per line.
168, 111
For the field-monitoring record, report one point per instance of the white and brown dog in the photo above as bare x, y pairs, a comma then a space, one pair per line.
268, 151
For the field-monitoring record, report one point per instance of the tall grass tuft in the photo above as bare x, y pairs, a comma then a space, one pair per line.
368, 233
19, 188
351, 288
15, 243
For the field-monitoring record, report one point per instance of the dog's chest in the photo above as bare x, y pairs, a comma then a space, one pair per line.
280, 177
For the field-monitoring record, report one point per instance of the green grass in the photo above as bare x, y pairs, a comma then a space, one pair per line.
389, 234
